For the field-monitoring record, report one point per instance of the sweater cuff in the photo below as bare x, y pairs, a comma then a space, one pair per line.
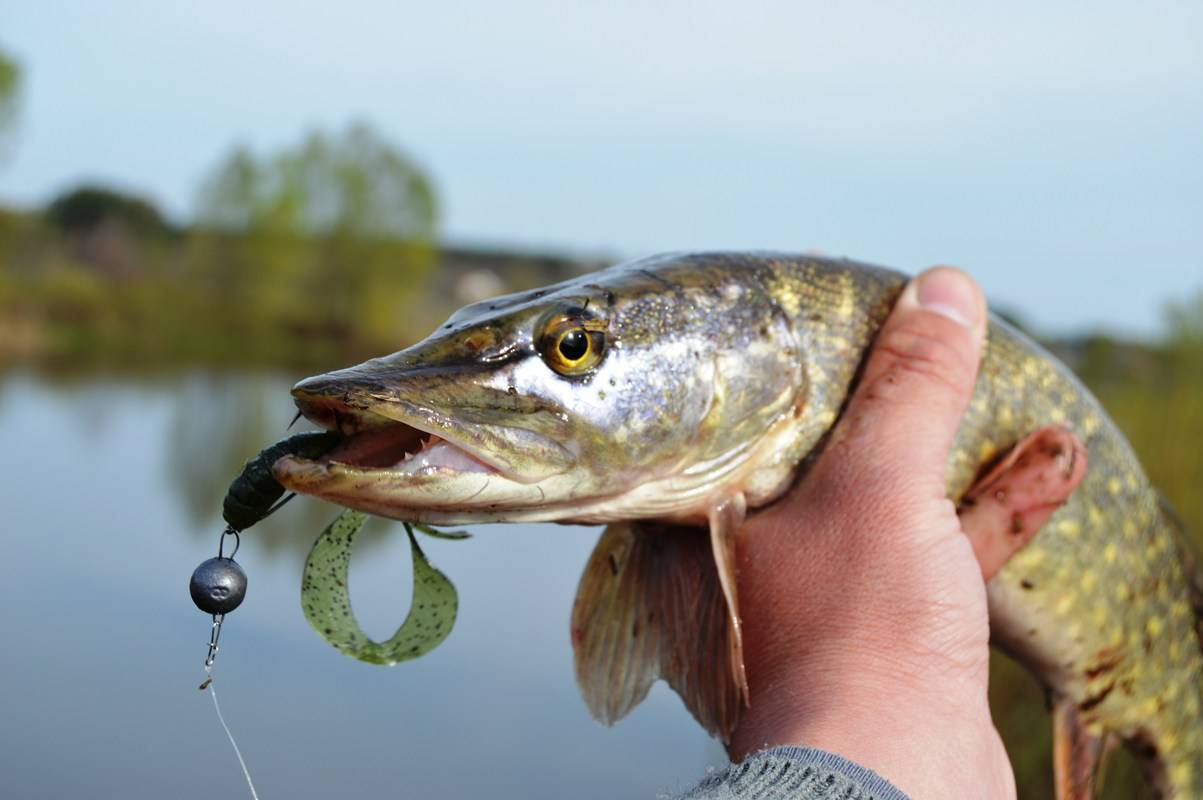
798, 773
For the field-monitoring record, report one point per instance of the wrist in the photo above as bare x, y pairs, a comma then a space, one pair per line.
930, 743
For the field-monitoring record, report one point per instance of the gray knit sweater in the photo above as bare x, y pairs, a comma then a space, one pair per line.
794, 773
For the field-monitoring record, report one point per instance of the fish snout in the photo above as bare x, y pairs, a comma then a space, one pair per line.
335, 400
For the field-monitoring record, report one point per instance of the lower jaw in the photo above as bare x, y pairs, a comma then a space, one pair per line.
431, 494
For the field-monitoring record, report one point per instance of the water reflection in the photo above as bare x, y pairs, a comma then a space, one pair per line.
113, 494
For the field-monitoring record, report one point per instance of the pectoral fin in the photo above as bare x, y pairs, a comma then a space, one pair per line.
725, 519
650, 605
1004, 508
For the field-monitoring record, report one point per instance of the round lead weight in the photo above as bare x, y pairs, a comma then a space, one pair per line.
218, 586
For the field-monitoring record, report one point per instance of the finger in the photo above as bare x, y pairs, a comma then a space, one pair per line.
1005, 508
919, 376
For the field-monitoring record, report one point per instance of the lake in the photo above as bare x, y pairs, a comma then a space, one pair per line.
113, 495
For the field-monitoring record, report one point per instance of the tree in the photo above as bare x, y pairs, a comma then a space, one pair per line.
354, 184
337, 231
107, 229
10, 83
1186, 321
86, 208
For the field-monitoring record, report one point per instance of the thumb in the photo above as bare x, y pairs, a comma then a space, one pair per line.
919, 376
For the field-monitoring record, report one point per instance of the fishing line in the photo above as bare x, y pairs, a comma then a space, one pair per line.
221, 718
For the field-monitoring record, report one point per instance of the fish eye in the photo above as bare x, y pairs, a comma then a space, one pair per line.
569, 347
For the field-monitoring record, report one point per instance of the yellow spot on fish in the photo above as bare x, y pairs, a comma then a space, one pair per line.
1182, 773
1095, 515
1117, 636
1090, 424
1133, 481
788, 299
1100, 615
1180, 609
1154, 626
1122, 592
1069, 528
1087, 580
1169, 741
1057, 415
1114, 486
1029, 558
1005, 417
1064, 603
1109, 552
1130, 529
1175, 650
985, 451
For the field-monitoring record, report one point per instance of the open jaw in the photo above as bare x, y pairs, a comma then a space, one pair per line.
401, 449
397, 469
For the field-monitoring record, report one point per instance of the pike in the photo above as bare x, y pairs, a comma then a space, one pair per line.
686, 390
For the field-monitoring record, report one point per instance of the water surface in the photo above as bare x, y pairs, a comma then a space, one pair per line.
112, 491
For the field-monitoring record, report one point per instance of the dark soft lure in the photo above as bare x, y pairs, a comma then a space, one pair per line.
255, 493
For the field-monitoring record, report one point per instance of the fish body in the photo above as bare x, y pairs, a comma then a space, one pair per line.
690, 388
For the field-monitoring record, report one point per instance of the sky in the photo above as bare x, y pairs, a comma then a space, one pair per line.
1053, 150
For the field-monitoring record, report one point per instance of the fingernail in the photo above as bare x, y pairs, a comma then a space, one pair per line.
950, 293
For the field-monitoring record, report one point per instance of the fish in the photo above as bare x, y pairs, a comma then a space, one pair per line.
669, 397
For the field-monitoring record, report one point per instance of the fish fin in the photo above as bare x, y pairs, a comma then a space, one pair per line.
1077, 753
1004, 508
650, 606
725, 519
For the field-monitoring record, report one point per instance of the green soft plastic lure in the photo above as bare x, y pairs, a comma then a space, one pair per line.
327, 604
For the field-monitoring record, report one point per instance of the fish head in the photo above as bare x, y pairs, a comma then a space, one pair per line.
559, 404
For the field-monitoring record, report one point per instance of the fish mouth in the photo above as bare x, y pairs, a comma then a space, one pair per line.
404, 461
373, 443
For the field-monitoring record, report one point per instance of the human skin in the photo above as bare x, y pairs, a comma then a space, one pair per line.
864, 606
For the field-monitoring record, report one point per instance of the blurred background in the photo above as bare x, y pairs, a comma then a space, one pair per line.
201, 203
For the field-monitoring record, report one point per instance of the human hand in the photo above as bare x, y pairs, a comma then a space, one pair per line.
864, 607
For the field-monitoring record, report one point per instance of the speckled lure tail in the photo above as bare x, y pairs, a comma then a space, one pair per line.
689, 389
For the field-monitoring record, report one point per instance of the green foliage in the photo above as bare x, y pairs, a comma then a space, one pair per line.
347, 219
86, 208
10, 84
1185, 322
319, 254
354, 185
